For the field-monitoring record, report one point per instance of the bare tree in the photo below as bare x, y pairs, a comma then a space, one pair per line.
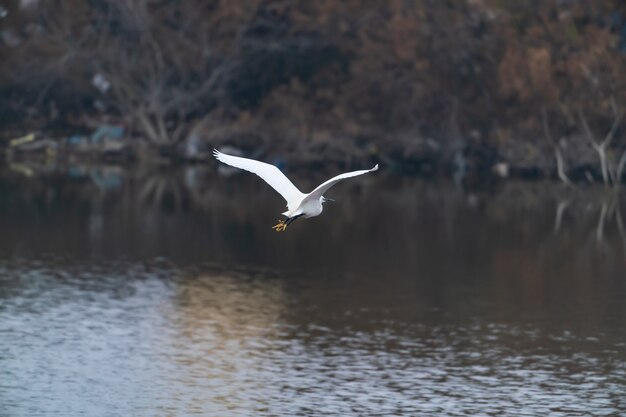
157, 59
560, 162
611, 173
161, 71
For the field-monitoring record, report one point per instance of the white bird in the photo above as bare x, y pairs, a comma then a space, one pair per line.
299, 204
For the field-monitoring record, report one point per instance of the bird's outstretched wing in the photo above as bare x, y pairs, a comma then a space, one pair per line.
322, 188
269, 173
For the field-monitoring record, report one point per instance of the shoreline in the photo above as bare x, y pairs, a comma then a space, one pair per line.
473, 162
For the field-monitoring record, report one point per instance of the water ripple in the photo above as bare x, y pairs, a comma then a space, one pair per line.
136, 339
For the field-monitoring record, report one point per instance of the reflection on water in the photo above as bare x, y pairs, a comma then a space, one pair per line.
169, 294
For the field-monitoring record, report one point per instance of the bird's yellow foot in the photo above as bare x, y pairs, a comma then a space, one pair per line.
281, 226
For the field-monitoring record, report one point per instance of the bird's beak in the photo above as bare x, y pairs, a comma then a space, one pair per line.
328, 199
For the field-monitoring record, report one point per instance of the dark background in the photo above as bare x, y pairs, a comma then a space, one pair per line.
425, 86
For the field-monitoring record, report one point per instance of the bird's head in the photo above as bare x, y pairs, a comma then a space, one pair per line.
324, 199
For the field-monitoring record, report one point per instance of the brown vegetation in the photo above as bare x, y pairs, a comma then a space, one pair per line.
413, 83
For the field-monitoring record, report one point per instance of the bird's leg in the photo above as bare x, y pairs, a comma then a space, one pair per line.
291, 219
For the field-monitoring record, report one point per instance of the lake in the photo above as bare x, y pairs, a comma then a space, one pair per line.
166, 292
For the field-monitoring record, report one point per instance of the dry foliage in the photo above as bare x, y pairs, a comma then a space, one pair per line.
322, 71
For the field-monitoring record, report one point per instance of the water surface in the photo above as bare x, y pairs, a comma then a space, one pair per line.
167, 293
